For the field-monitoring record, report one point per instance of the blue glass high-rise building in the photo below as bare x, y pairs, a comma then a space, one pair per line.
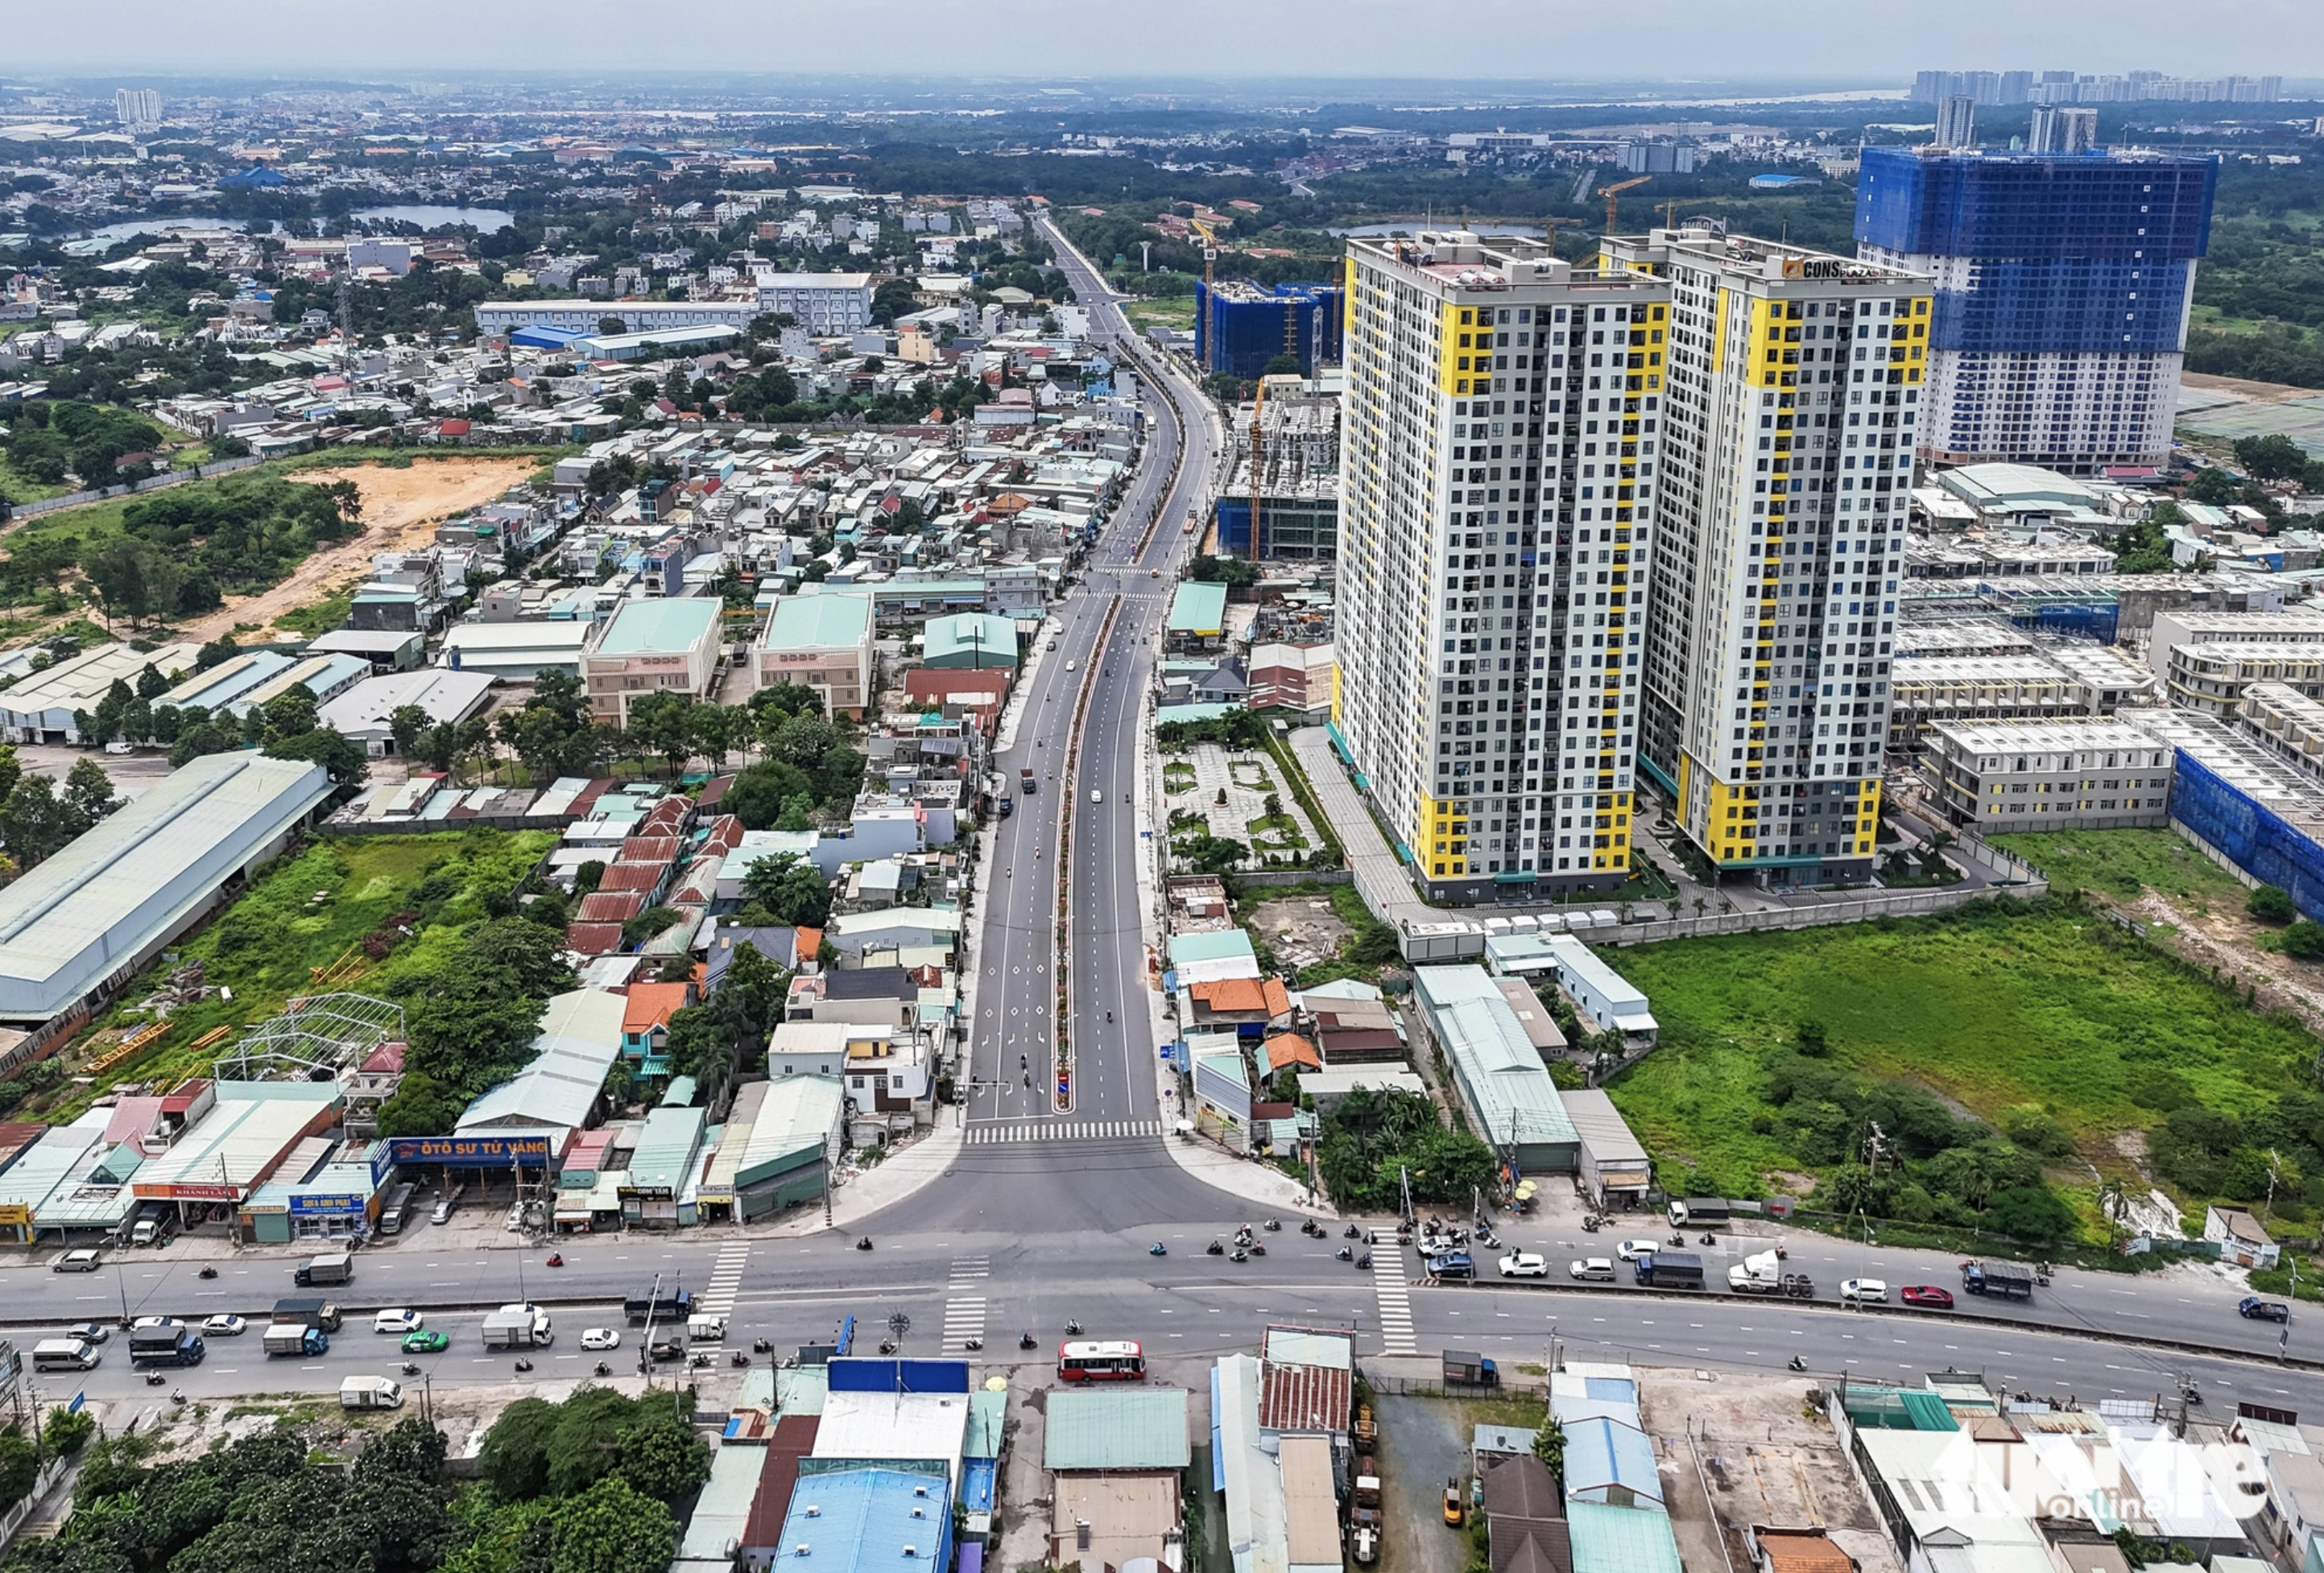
2063, 283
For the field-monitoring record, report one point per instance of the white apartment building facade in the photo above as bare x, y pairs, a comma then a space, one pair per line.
1794, 384
821, 303
1498, 532
2049, 775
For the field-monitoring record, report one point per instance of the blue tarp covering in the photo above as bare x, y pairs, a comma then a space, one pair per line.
2253, 837
1218, 1453
877, 1376
976, 1484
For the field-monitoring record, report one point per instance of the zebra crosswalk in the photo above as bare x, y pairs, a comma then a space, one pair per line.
965, 1306
717, 1297
1063, 1131
1395, 1301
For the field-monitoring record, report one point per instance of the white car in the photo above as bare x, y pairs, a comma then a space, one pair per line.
1592, 1270
81, 1261
144, 1322
1524, 1265
1631, 1250
398, 1321
601, 1338
226, 1327
117, 746
1863, 1292
1096, 796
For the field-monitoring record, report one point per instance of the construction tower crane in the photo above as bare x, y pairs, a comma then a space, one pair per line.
1210, 248
1258, 407
1614, 191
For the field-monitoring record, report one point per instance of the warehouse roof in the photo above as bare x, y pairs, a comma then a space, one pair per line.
827, 621
366, 709
1094, 1428
973, 636
244, 1135
1199, 609
580, 1036
1492, 1055
78, 682
133, 880
671, 623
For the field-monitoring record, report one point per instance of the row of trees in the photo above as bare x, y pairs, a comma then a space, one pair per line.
50, 440
38, 819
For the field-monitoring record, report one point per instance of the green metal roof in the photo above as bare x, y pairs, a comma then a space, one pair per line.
1199, 609
1115, 1429
1210, 947
977, 637
676, 622
819, 621
1621, 1540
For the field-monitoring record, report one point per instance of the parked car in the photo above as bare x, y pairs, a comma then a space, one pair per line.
1452, 1264
1053, 644
1524, 1265
1863, 1292
95, 1332
1631, 1250
425, 1342
1594, 1270
1455, 1510
2253, 1307
1927, 1294
398, 1321
226, 1327
82, 1261
601, 1338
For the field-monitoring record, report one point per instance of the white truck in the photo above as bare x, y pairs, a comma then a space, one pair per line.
703, 1328
518, 1329
370, 1393
1759, 1275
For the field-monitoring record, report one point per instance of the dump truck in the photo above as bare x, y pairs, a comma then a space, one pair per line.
1467, 1368
332, 1267
2005, 1280
294, 1338
1669, 1270
315, 1312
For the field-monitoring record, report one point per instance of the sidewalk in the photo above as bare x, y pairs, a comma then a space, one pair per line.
898, 1177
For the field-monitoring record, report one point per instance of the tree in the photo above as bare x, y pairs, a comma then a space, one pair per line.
1549, 1446
1812, 1040
88, 793
699, 1046
754, 984
2303, 940
2270, 903
612, 1528
760, 792
2214, 486
199, 739
515, 1454
419, 1107
11, 770
35, 822
790, 890
661, 1458
587, 878
2273, 458
405, 723
341, 757
290, 713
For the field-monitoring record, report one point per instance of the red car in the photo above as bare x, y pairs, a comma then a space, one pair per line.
1927, 1294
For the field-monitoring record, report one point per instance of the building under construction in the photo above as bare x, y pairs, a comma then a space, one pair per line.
1241, 326
1297, 477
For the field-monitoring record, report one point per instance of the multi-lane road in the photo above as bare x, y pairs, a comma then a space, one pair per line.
1050, 1212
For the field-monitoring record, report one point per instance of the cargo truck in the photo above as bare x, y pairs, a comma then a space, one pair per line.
1701, 1212
398, 1209
2004, 1280
1025, 780
670, 1305
518, 1329
309, 1313
333, 1267
295, 1338
170, 1346
1467, 1368
1669, 1270
370, 1393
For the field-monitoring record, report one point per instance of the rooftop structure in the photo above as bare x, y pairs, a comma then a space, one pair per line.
1500, 1076
666, 645
2035, 776
91, 915
39, 707
1116, 1428
823, 642
579, 1039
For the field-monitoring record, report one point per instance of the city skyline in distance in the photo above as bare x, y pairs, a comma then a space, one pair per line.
1497, 41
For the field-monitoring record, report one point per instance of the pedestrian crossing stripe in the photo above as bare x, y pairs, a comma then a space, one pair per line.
1086, 1131
1395, 1301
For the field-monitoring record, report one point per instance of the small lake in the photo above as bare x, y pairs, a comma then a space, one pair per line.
484, 219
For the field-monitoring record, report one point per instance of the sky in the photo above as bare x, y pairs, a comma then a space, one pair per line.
1869, 42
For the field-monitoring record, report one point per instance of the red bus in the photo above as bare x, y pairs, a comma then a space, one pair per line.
1120, 1361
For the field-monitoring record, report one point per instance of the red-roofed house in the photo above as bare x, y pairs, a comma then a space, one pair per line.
1291, 1049
376, 1081
1256, 1002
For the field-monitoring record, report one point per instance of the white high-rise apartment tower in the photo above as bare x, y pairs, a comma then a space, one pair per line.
1497, 535
137, 108
1792, 403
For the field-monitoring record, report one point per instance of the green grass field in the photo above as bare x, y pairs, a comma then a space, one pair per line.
1176, 312
2119, 862
2044, 1004
312, 911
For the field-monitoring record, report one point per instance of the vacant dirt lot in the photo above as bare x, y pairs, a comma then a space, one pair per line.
400, 507
1300, 930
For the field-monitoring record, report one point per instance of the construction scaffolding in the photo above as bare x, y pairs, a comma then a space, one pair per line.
1241, 326
1295, 481
317, 1037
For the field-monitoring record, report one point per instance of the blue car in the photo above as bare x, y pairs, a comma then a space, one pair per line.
1454, 1264
2254, 1309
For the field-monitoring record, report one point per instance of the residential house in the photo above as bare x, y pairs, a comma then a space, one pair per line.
645, 1023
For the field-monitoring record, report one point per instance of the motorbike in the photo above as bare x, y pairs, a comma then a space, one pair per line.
1797, 1364
1364, 1262
1308, 1226
973, 1345
2189, 1392
1589, 1226
1025, 1340
738, 1359
524, 1365
604, 1369
154, 1379
1215, 1249
887, 1345
700, 1360
1108, 1015
864, 1244
1073, 1329
555, 1261
178, 1395
1352, 1233
1344, 1254
761, 1346
1678, 1239
1240, 1254
1273, 1225
1708, 1240
411, 1367
208, 1272
1157, 1249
